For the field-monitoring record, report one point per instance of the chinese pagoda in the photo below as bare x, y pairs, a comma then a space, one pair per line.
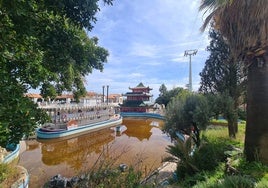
138, 100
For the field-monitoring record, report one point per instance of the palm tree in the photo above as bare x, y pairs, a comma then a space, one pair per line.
244, 24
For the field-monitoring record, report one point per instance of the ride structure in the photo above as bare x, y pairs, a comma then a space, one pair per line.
67, 120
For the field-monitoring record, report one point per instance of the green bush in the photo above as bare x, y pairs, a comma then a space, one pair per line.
210, 153
255, 169
242, 114
228, 182
236, 182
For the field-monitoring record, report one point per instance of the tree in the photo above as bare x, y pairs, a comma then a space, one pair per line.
242, 23
43, 44
162, 90
222, 77
162, 95
18, 115
185, 110
165, 96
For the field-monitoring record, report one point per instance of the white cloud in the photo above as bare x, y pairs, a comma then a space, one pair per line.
144, 50
146, 41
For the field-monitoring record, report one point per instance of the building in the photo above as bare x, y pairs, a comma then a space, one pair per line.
35, 97
91, 99
115, 99
139, 100
64, 98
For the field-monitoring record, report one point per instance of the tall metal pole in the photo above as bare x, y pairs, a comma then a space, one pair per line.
103, 94
190, 53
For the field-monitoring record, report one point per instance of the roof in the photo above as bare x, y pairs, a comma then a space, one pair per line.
111, 96
140, 86
137, 94
65, 96
91, 94
33, 95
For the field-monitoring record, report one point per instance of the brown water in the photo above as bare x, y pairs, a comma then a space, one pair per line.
140, 143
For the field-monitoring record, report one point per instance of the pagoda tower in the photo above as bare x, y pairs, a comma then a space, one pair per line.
139, 100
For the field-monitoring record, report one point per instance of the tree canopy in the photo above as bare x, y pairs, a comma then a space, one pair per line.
224, 78
165, 95
242, 24
44, 44
184, 110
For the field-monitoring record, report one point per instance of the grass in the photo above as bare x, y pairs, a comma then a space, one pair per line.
211, 158
8, 174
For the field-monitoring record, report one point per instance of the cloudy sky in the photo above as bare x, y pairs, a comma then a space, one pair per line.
146, 40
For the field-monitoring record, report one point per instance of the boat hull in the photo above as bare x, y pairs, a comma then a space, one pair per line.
41, 134
142, 114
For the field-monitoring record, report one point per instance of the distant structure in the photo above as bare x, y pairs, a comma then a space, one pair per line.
190, 53
90, 99
37, 98
139, 100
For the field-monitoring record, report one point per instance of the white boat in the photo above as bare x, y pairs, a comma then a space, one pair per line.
70, 120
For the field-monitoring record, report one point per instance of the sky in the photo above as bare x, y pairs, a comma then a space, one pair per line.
146, 40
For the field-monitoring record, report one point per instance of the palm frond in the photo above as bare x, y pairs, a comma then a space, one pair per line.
242, 22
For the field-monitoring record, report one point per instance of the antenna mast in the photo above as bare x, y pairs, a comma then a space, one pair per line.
190, 53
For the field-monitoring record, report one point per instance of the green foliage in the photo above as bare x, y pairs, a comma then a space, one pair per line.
181, 154
224, 79
18, 114
212, 152
214, 75
81, 12
210, 159
166, 96
228, 181
43, 45
184, 110
242, 114
255, 169
162, 90
111, 178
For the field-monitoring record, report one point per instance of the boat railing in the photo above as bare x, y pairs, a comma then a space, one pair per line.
72, 105
63, 115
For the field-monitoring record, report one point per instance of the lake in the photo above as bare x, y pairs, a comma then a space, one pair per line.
140, 143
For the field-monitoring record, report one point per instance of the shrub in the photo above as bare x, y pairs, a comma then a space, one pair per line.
228, 181
236, 181
210, 153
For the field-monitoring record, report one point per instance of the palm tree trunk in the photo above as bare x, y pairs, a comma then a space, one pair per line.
257, 111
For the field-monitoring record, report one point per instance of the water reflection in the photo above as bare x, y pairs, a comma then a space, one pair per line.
75, 151
140, 130
138, 139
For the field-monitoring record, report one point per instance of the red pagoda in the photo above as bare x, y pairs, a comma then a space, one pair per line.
138, 100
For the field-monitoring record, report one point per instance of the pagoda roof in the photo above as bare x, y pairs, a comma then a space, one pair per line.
139, 86
137, 94
134, 103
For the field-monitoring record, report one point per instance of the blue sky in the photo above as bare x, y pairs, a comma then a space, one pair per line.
146, 40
